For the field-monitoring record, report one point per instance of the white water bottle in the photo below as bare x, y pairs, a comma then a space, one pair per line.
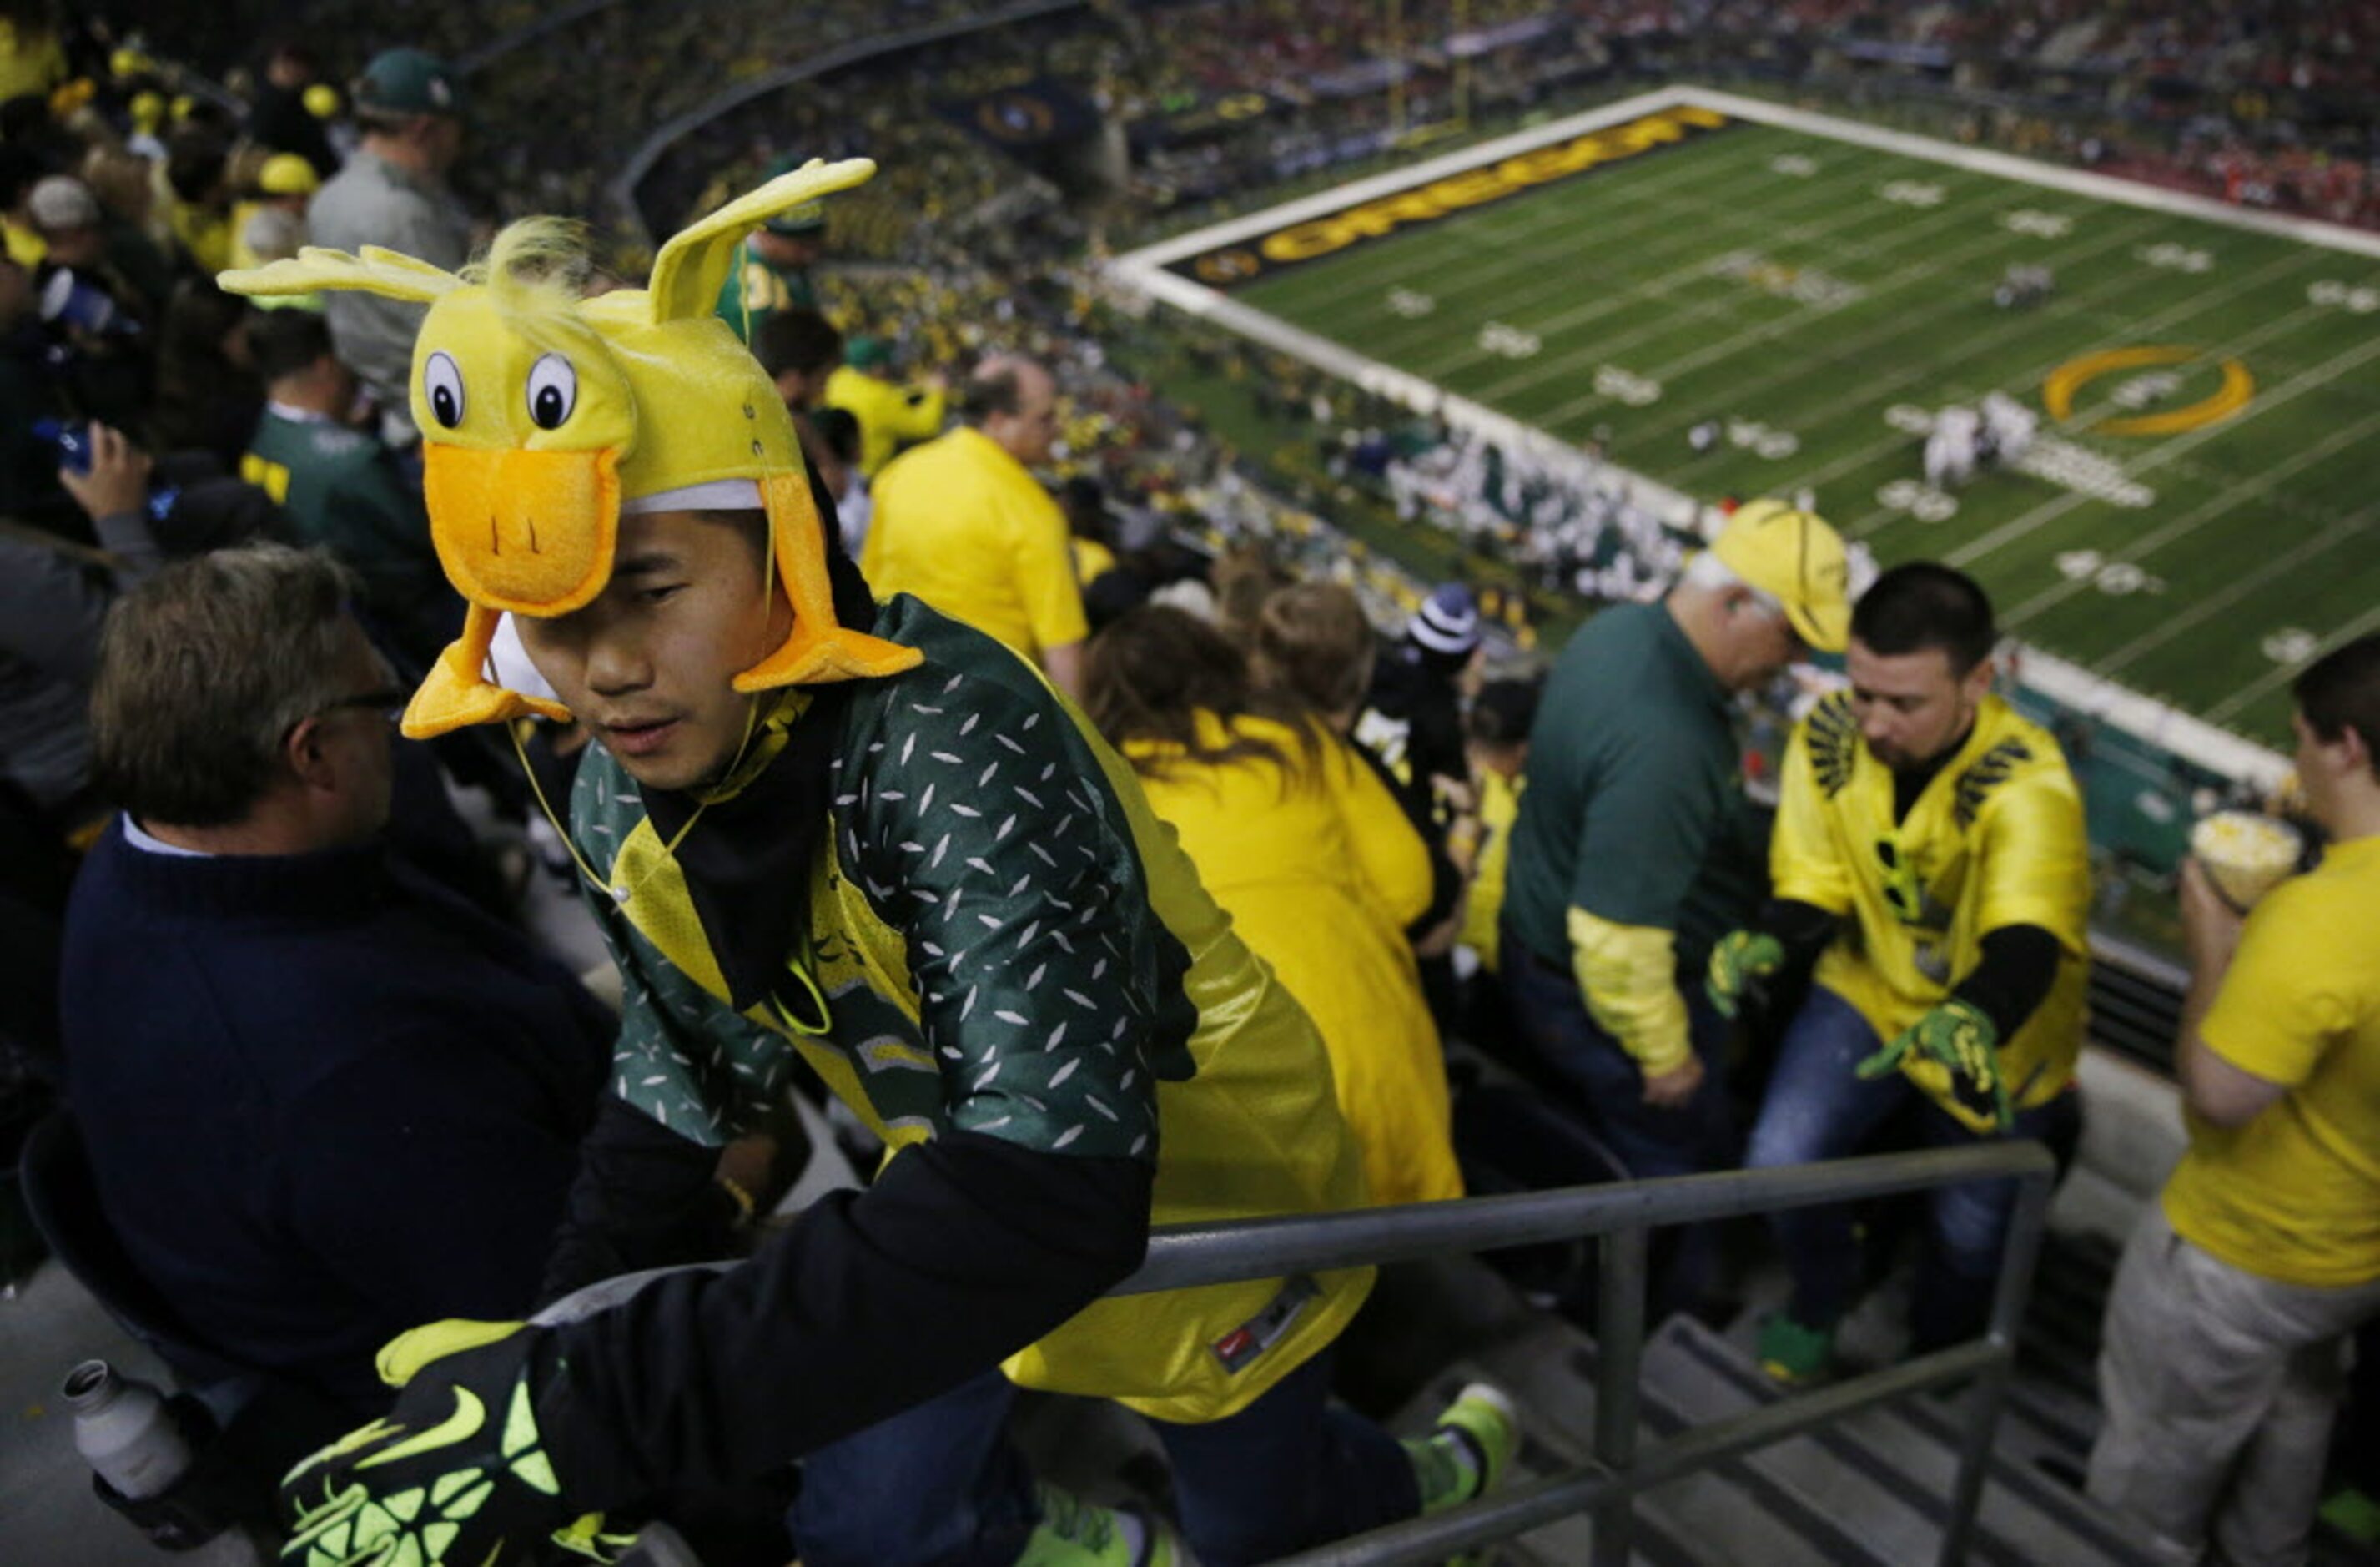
658, 1545
123, 1431
130, 1439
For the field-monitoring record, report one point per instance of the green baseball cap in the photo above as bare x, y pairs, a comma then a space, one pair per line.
407, 81
867, 353
800, 222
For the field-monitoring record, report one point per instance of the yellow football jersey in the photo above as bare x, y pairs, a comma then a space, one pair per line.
1995, 839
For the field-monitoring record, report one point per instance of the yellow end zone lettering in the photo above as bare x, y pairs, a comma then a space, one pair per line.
1427, 203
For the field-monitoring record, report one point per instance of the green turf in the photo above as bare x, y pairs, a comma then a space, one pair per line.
2263, 538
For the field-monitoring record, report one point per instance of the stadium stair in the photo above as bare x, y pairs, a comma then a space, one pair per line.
1871, 1492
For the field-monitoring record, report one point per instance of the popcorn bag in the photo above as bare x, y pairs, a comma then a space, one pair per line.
2245, 855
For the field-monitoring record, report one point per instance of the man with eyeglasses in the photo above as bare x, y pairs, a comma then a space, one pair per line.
324, 1097
1929, 857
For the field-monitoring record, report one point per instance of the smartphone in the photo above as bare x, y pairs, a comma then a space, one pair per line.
72, 440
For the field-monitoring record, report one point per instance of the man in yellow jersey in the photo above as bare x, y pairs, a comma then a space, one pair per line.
817, 828
963, 524
2228, 1330
1929, 855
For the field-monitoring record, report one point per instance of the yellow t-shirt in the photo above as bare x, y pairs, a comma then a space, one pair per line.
30, 62
2294, 1195
25, 247
962, 525
1093, 560
1499, 807
1320, 875
890, 417
1995, 839
204, 233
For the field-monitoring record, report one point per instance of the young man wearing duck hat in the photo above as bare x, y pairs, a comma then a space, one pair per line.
862, 836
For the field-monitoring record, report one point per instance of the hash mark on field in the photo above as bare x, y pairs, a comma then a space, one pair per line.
1684, 236
2215, 507
2221, 712
1811, 418
2239, 587
1853, 461
1725, 347
1658, 288
1558, 281
1519, 224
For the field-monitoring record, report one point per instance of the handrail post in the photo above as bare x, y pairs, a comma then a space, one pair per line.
1620, 1351
1989, 1395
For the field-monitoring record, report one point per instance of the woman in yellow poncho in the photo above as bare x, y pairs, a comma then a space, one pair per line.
1305, 848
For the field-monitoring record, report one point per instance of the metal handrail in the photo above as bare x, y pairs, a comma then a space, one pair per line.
1622, 1215
1182, 1256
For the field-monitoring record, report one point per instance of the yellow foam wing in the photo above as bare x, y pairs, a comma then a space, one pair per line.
376, 271
693, 264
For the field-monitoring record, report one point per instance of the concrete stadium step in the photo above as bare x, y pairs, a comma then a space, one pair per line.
1887, 1473
1874, 1489
1721, 1517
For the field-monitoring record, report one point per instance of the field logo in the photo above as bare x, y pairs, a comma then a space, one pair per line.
1228, 266
2058, 391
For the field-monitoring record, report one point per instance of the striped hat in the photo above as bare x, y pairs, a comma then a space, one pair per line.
1448, 621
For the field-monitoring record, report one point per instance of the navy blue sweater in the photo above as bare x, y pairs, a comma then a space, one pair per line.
326, 1101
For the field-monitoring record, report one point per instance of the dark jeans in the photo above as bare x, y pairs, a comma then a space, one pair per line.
1817, 1108
940, 1485
1648, 1140
1553, 1023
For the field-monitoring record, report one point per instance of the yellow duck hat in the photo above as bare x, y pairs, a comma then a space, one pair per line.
542, 412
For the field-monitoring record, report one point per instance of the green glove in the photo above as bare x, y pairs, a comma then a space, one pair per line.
1953, 1052
1741, 966
455, 1473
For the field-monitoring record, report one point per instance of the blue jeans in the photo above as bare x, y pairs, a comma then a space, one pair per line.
1817, 1108
1648, 1140
940, 1485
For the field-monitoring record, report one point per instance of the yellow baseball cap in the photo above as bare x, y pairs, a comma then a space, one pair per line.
286, 174
1781, 549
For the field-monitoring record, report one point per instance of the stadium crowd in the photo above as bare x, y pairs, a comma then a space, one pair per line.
1201, 938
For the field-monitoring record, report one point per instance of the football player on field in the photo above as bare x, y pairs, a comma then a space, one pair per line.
1929, 855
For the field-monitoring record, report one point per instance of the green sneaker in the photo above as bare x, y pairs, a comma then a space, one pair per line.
1075, 1533
1792, 1353
2353, 1513
1468, 1454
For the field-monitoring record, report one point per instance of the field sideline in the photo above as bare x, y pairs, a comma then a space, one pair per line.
2197, 523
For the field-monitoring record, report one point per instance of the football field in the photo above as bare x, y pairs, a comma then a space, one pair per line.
2198, 516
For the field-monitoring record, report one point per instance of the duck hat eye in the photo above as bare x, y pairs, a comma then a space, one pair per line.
444, 381
553, 392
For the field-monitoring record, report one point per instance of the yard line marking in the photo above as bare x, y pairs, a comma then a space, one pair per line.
1543, 216
2215, 604
1685, 239
2368, 621
1896, 442
2197, 516
1603, 350
1526, 220
1809, 417
1555, 282
1891, 283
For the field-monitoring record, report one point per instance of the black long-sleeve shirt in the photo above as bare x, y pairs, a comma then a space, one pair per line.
965, 1251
